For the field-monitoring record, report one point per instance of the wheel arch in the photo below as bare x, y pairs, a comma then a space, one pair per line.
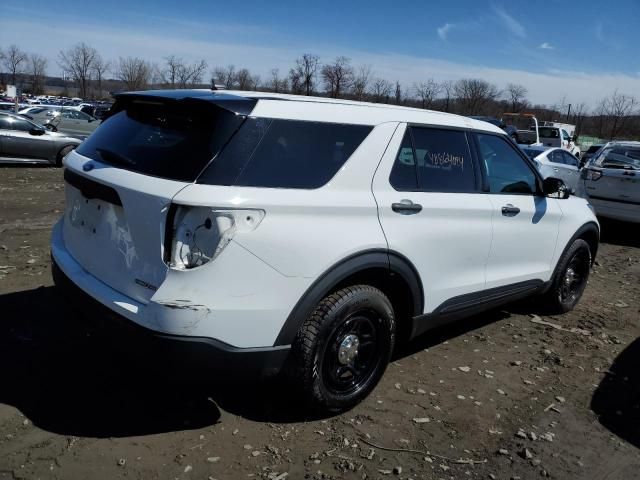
389, 271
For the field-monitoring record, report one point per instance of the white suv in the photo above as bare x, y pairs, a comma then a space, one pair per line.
272, 230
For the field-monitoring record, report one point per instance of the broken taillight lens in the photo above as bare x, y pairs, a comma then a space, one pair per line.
200, 234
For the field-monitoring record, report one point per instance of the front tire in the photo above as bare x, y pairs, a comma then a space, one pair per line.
343, 348
569, 279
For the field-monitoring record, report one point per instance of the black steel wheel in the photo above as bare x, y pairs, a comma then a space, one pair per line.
343, 348
570, 279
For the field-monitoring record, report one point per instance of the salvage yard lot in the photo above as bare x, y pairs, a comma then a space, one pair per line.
501, 394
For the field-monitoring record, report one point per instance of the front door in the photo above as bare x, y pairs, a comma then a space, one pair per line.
525, 222
432, 210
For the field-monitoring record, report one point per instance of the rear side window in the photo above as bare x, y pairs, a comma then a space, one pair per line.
168, 140
403, 174
441, 162
285, 154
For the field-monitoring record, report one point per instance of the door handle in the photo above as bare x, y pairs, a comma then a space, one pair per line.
631, 174
406, 207
555, 169
510, 211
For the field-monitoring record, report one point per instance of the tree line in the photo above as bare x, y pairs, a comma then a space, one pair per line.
616, 116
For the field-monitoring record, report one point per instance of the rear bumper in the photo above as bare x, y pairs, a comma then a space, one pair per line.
208, 354
127, 322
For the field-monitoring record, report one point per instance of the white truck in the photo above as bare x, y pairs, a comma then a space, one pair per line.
553, 136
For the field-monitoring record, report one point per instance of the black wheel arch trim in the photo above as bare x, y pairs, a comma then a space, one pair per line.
394, 262
589, 226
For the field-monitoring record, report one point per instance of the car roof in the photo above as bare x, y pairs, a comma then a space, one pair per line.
321, 109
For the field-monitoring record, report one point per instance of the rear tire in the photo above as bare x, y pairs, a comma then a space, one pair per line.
63, 153
569, 279
343, 348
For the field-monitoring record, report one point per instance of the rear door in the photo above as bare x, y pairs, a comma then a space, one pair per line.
559, 167
525, 223
432, 210
571, 169
620, 179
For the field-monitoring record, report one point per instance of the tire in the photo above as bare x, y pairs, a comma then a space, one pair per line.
63, 153
332, 373
569, 279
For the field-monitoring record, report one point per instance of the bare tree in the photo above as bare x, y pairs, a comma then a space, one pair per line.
381, 89
398, 93
579, 114
134, 72
100, 68
517, 95
303, 74
361, 81
447, 88
37, 72
618, 108
225, 76
277, 84
427, 92
79, 61
337, 76
474, 94
243, 77
14, 61
179, 74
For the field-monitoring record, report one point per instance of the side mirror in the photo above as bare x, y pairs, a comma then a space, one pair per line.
552, 186
37, 131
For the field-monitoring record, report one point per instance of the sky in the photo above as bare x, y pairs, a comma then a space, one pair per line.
561, 51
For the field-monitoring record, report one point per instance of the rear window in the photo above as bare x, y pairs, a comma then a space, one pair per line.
548, 132
276, 153
173, 140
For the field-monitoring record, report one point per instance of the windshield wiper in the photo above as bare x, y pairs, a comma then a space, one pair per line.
114, 157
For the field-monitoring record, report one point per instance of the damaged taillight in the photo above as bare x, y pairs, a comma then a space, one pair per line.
200, 234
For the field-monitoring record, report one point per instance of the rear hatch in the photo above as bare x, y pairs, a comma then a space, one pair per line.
120, 182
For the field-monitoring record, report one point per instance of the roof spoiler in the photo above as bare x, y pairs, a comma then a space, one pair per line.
232, 103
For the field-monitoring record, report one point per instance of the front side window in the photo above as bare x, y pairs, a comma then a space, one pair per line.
507, 172
569, 159
20, 125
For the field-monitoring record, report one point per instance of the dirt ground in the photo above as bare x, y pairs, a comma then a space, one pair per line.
496, 396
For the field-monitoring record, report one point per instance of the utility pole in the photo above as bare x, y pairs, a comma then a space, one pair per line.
568, 113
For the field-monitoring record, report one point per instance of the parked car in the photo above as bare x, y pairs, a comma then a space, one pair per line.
556, 162
591, 151
558, 137
24, 141
611, 181
321, 233
66, 120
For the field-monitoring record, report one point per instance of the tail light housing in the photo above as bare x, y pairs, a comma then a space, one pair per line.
200, 234
590, 174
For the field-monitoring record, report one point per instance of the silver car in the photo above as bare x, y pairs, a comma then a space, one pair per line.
611, 181
65, 120
556, 162
22, 140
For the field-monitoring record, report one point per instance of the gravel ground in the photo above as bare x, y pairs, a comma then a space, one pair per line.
497, 396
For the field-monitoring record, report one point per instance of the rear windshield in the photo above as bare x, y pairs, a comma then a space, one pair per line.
173, 140
547, 132
285, 154
619, 157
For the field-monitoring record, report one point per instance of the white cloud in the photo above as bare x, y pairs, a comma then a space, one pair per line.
546, 46
545, 86
510, 23
444, 30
